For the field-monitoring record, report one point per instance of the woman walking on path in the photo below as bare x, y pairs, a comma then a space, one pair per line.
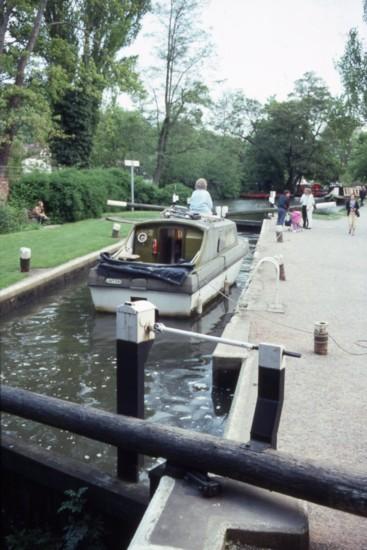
352, 207
308, 204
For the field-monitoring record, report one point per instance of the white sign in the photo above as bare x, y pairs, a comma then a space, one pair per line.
132, 163
110, 202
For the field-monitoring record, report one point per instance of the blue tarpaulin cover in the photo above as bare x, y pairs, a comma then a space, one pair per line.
174, 274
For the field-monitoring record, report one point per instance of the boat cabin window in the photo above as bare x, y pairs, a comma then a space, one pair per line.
227, 238
167, 244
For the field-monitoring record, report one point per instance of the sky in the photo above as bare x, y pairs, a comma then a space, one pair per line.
263, 46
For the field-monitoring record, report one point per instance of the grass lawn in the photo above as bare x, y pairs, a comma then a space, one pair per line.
53, 246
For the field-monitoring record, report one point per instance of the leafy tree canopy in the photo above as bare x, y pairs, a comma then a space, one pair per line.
357, 167
124, 134
353, 70
24, 109
83, 46
291, 139
176, 92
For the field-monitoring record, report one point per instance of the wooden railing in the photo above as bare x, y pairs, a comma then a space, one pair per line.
274, 470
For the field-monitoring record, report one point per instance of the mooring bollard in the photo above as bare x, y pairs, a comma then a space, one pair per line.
279, 233
321, 338
134, 322
116, 230
270, 395
280, 261
25, 259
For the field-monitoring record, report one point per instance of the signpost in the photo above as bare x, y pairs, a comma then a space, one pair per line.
132, 164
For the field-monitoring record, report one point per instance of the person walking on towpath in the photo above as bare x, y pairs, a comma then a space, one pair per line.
352, 207
308, 204
283, 206
201, 201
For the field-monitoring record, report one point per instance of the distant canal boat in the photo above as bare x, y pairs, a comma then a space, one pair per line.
179, 262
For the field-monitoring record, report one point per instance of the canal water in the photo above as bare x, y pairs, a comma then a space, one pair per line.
62, 348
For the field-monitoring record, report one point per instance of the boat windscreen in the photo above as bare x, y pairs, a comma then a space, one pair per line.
167, 243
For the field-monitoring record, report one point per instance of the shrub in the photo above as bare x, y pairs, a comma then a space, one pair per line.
72, 195
81, 528
12, 219
146, 192
180, 189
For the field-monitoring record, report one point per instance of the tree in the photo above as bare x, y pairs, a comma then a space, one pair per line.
237, 115
336, 143
183, 49
287, 140
357, 166
194, 153
20, 24
353, 70
124, 134
92, 34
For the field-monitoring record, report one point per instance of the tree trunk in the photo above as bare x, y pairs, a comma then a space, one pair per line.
161, 150
3, 26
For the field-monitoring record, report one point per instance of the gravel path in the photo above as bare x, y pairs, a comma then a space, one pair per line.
325, 410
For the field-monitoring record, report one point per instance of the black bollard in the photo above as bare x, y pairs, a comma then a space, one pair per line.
280, 261
25, 259
321, 337
279, 233
134, 322
270, 395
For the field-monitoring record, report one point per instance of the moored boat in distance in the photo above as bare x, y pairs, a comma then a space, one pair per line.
179, 262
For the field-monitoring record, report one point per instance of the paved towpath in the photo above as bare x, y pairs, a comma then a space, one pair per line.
325, 410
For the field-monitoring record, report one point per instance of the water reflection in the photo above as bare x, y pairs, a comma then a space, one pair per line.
64, 349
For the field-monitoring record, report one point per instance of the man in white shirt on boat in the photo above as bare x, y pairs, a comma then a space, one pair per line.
201, 201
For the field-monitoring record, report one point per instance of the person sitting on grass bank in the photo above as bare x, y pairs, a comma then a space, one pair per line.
39, 214
201, 201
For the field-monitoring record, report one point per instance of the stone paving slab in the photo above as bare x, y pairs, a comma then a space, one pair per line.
179, 518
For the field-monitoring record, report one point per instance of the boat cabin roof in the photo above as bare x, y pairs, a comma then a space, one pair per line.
205, 224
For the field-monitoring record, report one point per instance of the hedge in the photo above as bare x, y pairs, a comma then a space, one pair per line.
72, 195
12, 218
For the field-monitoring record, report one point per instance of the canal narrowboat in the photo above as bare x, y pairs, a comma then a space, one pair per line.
179, 262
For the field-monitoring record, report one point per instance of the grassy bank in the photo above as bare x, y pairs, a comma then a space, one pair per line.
53, 246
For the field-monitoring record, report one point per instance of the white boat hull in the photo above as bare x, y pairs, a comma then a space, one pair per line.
169, 304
